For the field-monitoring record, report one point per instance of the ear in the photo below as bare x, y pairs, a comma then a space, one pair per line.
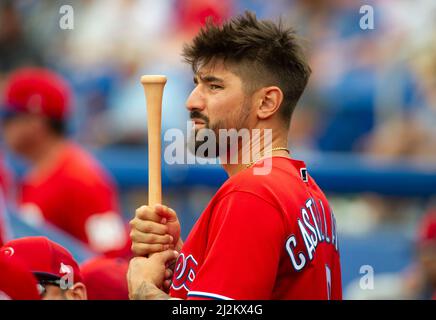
77, 292
269, 100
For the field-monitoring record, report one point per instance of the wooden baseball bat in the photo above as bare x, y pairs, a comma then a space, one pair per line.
153, 89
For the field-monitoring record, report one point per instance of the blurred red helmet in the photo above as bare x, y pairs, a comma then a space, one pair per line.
37, 91
106, 279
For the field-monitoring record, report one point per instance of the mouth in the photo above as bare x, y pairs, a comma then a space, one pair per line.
198, 122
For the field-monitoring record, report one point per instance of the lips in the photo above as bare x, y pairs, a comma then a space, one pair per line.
198, 121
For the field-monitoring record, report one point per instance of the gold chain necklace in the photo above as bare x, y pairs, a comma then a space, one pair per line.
273, 149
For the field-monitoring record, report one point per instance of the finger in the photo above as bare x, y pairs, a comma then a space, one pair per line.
150, 238
171, 264
167, 285
167, 256
168, 273
147, 213
148, 226
142, 249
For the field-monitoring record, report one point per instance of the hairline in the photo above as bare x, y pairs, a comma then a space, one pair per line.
243, 70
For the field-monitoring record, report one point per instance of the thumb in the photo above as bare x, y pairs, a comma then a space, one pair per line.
167, 213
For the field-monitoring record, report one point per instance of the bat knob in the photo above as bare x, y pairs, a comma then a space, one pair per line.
151, 79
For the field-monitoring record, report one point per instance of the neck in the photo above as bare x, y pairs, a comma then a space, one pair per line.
256, 148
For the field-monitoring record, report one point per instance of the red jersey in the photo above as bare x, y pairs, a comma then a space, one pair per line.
77, 196
262, 237
2, 220
5, 189
6, 180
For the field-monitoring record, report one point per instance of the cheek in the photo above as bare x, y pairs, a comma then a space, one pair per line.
10, 132
13, 131
226, 108
428, 261
18, 133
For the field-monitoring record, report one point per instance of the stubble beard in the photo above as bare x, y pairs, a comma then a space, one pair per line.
240, 122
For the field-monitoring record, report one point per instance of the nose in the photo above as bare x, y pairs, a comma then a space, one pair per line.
195, 100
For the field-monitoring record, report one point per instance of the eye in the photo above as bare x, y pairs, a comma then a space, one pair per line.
215, 87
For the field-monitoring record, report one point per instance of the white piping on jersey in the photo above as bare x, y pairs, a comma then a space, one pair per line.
208, 295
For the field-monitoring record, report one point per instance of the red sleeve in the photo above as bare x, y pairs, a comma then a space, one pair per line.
97, 218
245, 239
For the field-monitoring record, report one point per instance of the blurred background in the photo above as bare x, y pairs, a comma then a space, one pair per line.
366, 125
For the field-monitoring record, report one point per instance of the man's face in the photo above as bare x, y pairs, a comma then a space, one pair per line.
218, 100
20, 132
52, 292
427, 259
55, 292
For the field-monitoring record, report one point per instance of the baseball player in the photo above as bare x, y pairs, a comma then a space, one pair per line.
57, 273
2, 219
262, 236
5, 191
65, 185
426, 246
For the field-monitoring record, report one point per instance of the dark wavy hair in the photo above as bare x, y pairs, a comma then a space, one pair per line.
260, 52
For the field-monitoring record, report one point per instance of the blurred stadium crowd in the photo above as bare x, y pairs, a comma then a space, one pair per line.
372, 94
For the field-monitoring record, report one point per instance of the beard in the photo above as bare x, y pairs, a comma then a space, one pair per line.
201, 136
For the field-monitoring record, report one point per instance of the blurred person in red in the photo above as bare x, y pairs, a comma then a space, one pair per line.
191, 15
65, 185
16, 281
6, 179
426, 251
57, 273
5, 194
105, 278
417, 281
2, 219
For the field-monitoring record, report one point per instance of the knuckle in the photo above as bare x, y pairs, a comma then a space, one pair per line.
133, 222
138, 250
146, 228
133, 236
141, 210
134, 248
152, 238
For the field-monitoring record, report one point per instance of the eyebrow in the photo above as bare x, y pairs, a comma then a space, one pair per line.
208, 79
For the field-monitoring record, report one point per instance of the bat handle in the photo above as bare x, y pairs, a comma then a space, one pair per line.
153, 88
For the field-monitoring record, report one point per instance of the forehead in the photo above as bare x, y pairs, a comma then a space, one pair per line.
217, 69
